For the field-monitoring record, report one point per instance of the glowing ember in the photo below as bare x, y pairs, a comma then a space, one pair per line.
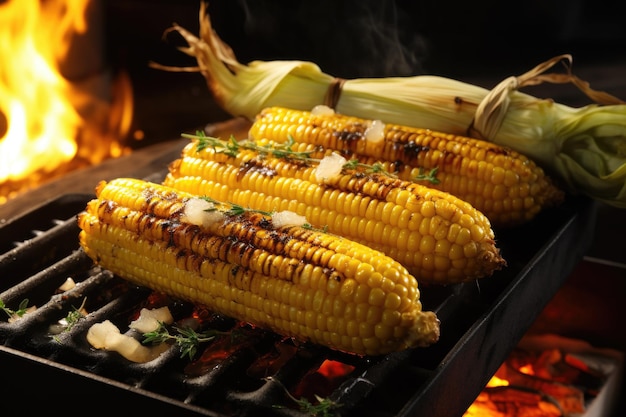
497, 382
334, 369
548, 381
42, 113
322, 382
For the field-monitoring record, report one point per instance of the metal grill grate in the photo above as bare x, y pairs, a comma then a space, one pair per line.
481, 323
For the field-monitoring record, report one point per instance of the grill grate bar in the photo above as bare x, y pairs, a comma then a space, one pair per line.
30, 256
41, 282
250, 378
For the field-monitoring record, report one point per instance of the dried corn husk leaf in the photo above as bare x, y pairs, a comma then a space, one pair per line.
585, 147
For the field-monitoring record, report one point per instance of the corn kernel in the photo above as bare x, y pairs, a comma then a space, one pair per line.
361, 311
392, 301
427, 245
377, 297
349, 290
362, 294
366, 330
383, 332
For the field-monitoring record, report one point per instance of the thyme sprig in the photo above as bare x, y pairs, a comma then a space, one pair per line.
430, 176
324, 407
75, 315
235, 209
231, 147
186, 338
375, 168
21, 309
69, 321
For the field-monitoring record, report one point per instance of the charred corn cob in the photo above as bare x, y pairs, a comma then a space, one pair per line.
505, 185
438, 237
306, 284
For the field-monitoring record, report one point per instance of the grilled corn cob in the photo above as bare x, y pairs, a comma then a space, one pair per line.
298, 282
582, 146
509, 188
438, 237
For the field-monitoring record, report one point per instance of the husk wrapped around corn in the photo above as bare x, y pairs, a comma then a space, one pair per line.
585, 147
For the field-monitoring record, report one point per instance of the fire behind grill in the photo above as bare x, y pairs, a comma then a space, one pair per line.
480, 323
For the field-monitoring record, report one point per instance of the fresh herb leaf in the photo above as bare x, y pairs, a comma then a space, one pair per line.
309, 226
375, 168
277, 150
324, 407
351, 164
70, 320
187, 339
235, 209
75, 315
21, 310
431, 176
232, 147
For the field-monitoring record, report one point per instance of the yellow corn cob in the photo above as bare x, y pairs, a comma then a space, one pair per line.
438, 237
298, 282
506, 186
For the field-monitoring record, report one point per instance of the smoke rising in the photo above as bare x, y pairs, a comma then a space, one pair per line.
345, 38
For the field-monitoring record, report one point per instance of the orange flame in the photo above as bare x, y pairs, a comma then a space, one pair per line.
40, 110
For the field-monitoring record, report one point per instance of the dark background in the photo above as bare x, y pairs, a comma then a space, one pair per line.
480, 42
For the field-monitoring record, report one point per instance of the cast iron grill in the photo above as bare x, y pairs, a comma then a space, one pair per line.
481, 322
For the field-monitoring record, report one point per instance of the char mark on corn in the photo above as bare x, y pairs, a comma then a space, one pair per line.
301, 283
438, 237
509, 188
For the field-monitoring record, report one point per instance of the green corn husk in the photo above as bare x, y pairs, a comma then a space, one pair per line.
585, 147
